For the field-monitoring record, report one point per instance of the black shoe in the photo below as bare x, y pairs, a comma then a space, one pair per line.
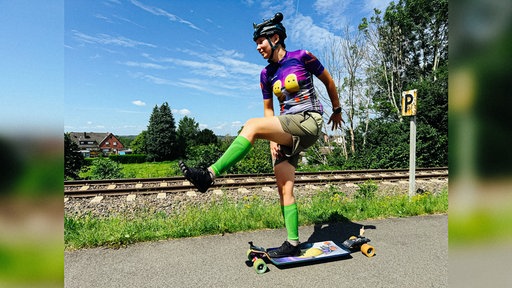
201, 178
285, 250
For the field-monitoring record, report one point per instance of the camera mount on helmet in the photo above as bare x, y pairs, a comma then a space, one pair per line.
278, 17
270, 27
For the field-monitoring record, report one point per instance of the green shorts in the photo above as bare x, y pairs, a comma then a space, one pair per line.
305, 128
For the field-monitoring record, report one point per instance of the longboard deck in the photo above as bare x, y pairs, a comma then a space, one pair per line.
309, 252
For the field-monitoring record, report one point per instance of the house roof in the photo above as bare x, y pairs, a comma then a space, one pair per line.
95, 137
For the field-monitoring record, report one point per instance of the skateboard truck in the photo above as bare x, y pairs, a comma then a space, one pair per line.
257, 248
359, 242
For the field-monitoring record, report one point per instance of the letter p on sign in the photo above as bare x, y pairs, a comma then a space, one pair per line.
409, 102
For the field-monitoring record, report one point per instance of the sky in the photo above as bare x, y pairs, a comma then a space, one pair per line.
102, 66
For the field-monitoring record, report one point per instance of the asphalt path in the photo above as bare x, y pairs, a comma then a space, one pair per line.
410, 252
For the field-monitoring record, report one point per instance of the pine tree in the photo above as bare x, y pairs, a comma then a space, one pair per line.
161, 141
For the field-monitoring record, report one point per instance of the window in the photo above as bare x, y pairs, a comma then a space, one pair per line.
115, 143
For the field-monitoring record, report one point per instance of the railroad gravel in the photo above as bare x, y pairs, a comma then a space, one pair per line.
174, 202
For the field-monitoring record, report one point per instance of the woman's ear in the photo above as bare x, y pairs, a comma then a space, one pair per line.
274, 39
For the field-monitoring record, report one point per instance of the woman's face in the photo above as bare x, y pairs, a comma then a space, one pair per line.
263, 47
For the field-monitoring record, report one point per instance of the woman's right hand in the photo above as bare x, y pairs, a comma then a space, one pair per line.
275, 150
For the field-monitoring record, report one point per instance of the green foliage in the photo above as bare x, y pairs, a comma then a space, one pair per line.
151, 169
161, 140
189, 136
258, 160
203, 155
412, 53
104, 168
73, 159
126, 140
187, 132
207, 136
138, 145
366, 190
128, 158
316, 156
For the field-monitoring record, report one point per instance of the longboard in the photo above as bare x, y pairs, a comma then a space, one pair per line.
310, 252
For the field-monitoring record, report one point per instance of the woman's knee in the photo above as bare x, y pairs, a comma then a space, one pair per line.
250, 129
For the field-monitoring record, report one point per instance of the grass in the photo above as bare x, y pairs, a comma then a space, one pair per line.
151, 169
226, 215
144, 170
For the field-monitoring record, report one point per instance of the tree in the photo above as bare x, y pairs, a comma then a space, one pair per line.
161, 140
353, 54
408, 45
73, 159
187, 132
207, 136
138, 145
408, 49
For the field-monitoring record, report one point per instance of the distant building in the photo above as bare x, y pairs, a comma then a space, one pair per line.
92, 144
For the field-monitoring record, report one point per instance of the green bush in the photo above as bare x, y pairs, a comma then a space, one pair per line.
129, 158
203, 155
258, 160
367, 190
104, 168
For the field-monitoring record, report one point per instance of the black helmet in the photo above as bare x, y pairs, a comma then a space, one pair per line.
270, 27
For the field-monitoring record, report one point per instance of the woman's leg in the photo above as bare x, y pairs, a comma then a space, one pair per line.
268, 128
256, 128
285, 179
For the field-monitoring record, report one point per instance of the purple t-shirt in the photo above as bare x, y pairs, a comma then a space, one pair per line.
291, 80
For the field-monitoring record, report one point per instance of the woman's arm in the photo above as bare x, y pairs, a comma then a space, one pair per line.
335, 118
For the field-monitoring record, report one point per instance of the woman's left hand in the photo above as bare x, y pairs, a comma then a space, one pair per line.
336, 120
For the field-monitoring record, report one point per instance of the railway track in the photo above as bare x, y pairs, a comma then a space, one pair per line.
112, 187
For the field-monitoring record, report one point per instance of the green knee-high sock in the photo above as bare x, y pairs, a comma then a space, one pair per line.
235, 152
291, 221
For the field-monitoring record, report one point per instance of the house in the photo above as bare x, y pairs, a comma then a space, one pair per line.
94, 144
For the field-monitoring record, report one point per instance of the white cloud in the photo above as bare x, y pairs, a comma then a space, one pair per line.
109, 40
184, 112
161, 12
139, 103
334, 12
143, 65
241, 67
236, 124
153, 79
311, 36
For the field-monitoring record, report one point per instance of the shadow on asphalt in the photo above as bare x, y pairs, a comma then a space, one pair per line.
337, 228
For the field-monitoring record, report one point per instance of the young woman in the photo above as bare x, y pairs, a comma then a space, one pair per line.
288, 76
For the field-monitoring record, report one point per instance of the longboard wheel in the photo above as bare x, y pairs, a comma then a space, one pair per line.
260, 266
368, 250
249, 254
